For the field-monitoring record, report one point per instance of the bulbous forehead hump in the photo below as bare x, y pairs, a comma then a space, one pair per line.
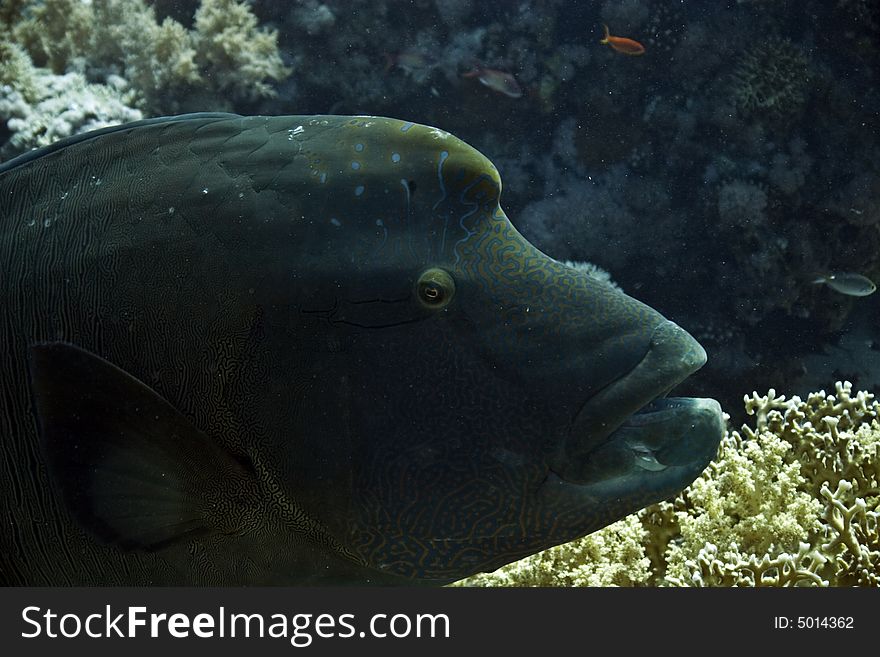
367, 149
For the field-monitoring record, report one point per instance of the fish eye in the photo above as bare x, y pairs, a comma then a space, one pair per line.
435, 288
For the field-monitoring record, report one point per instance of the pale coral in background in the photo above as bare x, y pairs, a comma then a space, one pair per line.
69, 66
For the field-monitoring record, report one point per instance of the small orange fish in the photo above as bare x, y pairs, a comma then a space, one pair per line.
622, 44
503, 83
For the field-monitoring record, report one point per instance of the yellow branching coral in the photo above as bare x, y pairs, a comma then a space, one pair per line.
798, 569
853, 539
612, 557
748, 503
792, 501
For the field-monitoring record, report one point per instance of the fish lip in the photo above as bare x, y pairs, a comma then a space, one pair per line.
700, 433
671, 355
659, 450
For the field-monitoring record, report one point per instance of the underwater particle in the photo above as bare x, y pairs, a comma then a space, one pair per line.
622, 44
848, 283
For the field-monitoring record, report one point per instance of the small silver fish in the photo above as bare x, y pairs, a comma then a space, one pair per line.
499, 81
854, 285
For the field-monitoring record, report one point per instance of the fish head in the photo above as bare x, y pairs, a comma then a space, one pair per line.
496, 401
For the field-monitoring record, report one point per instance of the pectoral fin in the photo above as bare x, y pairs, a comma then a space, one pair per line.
131, 467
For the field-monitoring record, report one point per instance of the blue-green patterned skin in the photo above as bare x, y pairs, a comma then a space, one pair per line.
387, 382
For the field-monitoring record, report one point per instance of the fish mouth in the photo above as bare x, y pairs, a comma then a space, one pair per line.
652, 456
630, 426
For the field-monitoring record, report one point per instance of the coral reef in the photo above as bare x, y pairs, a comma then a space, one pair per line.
17, 69
54, 32
66, 105
793, 500
771, 80
344, 69
238, 57
224, 59
742, 205
614, 556
41, 107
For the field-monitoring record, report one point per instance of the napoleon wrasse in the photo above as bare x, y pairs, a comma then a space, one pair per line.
310, 349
